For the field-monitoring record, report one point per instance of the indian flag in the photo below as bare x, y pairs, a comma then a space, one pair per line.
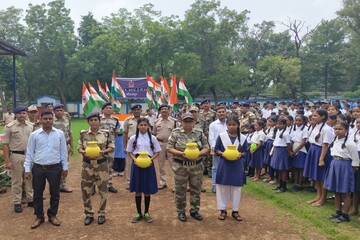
116, 88
165, 89
116, 105
108, 92
151, 83
184, 92
173, 100
97, 99
87, 102
102, 92
149, 98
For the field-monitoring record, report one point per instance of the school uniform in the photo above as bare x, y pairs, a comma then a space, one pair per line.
230, 176
280, 157
312, 170
298, 135
355, 137
143, 179
268, 145
339, 177
247, 148
256, 160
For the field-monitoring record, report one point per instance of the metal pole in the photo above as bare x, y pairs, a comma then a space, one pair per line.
14, 81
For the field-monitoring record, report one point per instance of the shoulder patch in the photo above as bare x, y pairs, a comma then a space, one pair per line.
10, 124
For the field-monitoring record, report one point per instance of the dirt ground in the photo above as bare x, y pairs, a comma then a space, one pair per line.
260, 221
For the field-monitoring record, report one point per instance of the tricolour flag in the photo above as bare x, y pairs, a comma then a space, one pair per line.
108, 92
87, 102
184, 92
149, 98
116, 88
116, 105
165, 89
151, 83
99, 102
102, 92
173, 100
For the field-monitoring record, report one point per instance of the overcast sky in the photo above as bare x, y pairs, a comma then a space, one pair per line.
310, 11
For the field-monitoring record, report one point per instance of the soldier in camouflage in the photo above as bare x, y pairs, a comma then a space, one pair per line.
246, 118
95, 170
187, 171
63, 123
112, 125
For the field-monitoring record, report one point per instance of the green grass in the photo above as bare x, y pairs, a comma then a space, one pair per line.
76, 126
310, 217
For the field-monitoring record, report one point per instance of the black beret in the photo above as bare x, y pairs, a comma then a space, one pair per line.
205, 100
93, 114
245, 105
105, 105
137, 106
20, 109
235, 102
58, 106
163, 105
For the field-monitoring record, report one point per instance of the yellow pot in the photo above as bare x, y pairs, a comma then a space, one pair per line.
143, 160
191, 151
92, 150
231, 153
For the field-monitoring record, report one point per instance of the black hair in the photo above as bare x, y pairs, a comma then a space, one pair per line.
282, 121
322, 113
274, 119
46, 112
346, 126
290, 119
142, 119
236, 119
355, 140
346, 118
304, 119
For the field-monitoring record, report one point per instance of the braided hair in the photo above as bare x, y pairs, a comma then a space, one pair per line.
345, 118
291, 119
283, 122
142, 119
346, 126
322, 113
303, 118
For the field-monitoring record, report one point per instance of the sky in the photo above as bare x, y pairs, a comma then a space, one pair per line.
309, 11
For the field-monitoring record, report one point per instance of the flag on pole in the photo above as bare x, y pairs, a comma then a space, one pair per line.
99, 102
108, 92
116, 105
151, 83
165, 89
173, 100
87, 102
157, 88
184, 92
102, 92
116, 88
149, 98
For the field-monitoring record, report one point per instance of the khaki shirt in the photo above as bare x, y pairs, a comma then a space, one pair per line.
130, 126
245, 121
64, 125
208, 118
178, 140
8, 118
103, 137
163, 128
17, 135
111, 124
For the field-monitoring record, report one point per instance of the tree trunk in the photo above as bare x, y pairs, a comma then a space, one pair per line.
214, 93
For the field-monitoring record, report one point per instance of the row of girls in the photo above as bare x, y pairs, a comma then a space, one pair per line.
324, 149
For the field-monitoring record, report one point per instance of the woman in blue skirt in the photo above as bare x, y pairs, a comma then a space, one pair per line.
270, 123
280, 157
340, 177
257, 149
143, 180
355, 137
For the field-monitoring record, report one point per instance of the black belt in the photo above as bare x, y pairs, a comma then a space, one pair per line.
339, 158
87, 160
244, 132
187, 163
18, 152
47, 166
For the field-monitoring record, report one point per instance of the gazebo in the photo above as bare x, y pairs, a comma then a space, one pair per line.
7, 49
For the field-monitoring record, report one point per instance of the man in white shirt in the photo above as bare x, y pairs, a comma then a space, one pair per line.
215, 128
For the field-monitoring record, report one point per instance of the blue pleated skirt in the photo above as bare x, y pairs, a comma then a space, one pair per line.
357, 180
143, 179
299, 160
339, 177
268, 146
311, 166
256, 159
280, 159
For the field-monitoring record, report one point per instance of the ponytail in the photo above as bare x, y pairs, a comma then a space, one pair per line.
319, 133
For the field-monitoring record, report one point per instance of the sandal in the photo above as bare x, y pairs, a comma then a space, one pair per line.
223, 214
236, 216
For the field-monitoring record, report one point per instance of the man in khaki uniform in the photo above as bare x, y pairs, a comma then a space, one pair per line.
129, 128
8, 117
163, 127
64, 124
246, 118
16, 136
33, 117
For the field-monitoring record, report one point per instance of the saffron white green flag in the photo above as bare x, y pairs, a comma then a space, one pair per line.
182, 91
87, 102
99, 102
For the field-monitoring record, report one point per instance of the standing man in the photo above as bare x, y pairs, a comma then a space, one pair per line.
246, 118
130, 126
16, 136
111, 124
46, 159
215, 128
163, 127
95, 169
33, 116
63, 123
9, 116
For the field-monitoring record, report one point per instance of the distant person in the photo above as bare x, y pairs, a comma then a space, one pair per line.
9, 116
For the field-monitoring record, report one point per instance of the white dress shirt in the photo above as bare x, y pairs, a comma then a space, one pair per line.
143, 144
215, 129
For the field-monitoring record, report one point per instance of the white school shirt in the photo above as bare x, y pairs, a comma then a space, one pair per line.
352, 130
352, 138
270, 134
215, 128
289, 130
248, 137
143, 144
284, 141
258, 136
326, 135
349, 152
298, 135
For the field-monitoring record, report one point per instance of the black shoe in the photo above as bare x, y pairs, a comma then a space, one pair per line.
197, 216
112, 189
88, 220
18, 208
341, 219
182, 217
101, 219
30, 204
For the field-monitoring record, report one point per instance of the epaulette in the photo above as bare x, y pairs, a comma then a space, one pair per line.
28, 122
83, 131
10, 124
128, 118
156, 120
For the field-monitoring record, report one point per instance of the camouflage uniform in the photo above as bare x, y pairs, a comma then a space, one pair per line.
95, 171
129, 128
112, 125
64, 125
187, 171
207, 119
16, 135
245, 120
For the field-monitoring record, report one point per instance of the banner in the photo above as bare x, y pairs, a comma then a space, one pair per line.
134, 88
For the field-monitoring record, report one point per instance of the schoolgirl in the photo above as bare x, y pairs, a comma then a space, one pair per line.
355, 114
356, 193
318, 157
339, 178
230, 176
143, 180
343, 118
257, 149
333, 111
289, 124
298, 150
280, 157
251, 171
270, 123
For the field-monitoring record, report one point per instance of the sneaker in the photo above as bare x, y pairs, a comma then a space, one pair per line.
137, 217
148, 218
341, 219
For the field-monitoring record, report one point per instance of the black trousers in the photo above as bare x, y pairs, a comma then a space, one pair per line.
52, 175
